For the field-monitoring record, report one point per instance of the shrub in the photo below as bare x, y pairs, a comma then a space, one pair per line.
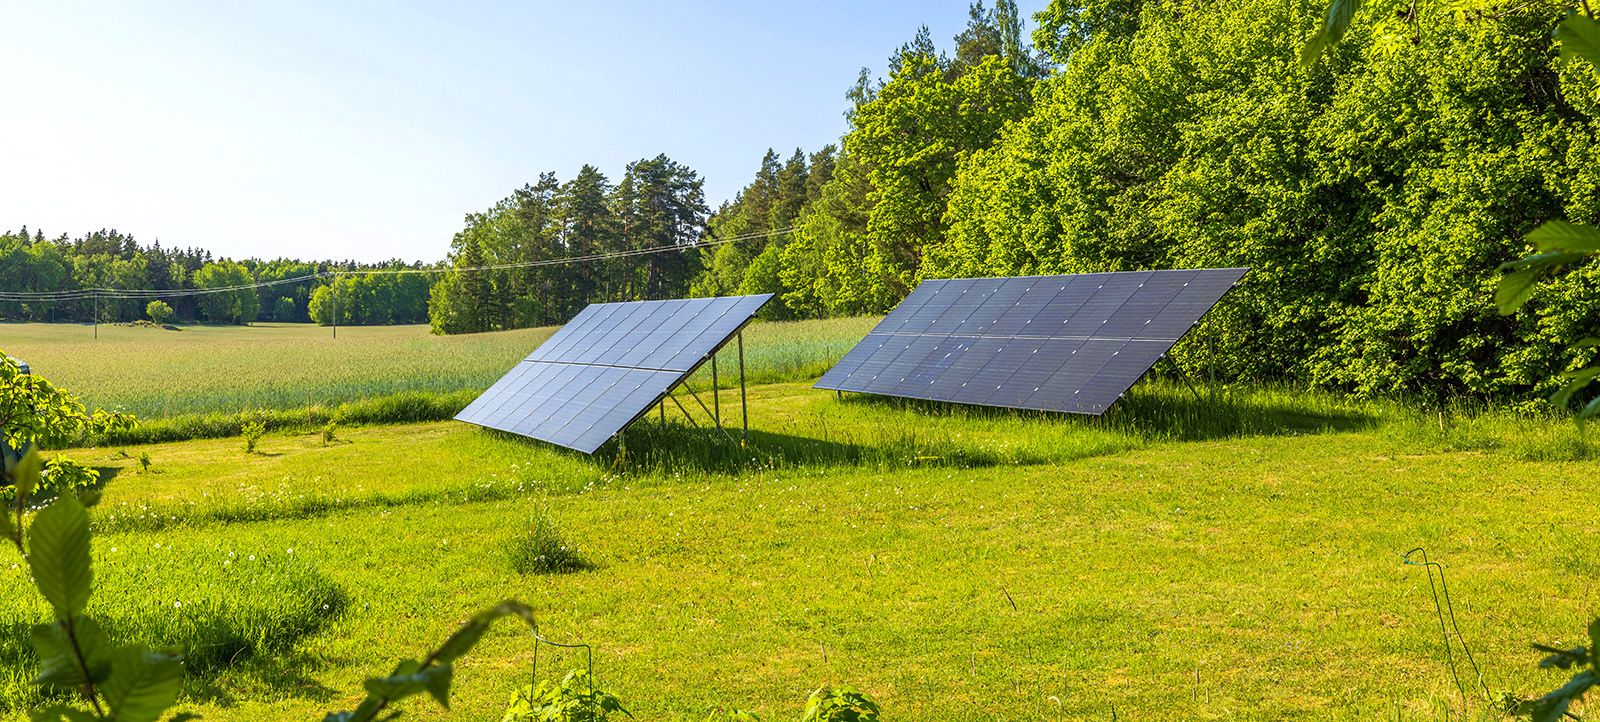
840, 704
144, 462
159, 312
64, 474
542, 550
329, 429
252, 431
574, 699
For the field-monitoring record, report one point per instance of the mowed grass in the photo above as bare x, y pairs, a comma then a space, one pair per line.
1236, 556
157, 373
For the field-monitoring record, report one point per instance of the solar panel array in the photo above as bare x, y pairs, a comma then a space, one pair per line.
1072, 343
607, 366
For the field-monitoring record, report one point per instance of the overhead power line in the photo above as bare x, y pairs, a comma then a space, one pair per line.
152, 293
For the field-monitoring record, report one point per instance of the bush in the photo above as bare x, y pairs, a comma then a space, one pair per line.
542, 550
252, 431
159, 312
328, 431
574, 699
840, 704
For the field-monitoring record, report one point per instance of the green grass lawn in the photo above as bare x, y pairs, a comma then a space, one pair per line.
1236, 557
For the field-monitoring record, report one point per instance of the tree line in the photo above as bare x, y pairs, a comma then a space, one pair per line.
107, 259
1372, 194
658, 203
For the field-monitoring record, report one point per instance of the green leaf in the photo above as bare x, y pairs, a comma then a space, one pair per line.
27, 474
1579, 37
1334, 25
1564, 237
60, 666
58, 554
1590, 409
468, 635
1576, 381
1515, 290
1553, 706
142, 685
409, 679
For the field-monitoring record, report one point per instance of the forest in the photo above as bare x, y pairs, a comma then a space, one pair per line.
1372, 194
107, 259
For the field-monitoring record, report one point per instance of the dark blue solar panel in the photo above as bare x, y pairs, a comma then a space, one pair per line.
1072, 343
610, 364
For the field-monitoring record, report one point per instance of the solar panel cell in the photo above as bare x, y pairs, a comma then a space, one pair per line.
1060, 343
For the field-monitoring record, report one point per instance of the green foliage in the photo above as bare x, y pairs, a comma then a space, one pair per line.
128, 682
840, 704
1552, 707
330, 430
732, 714
433, 673
238, 305
34, 412
159, 312
574, 699
63, 474
373, 298
543, 550
144, 462
252, 431
659, 203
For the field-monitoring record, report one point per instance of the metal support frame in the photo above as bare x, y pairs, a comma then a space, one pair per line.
1184, 375
588, 652
713, 411
744, 406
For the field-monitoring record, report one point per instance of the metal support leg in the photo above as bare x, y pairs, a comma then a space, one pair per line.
1185, 377
744, 407
684, 410
716, 393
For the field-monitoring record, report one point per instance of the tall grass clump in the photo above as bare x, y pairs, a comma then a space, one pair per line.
543, 550
402, 408
218, 609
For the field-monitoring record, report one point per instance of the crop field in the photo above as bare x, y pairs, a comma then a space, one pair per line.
1226, 553
155, 372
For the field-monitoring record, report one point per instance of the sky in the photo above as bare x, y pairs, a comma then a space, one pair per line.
367, 130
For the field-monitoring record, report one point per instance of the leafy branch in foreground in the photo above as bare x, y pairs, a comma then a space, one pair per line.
131, 683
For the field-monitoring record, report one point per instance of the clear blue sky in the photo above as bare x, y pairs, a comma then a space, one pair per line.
369, 129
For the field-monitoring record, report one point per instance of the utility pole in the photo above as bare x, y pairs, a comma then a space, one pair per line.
336, 306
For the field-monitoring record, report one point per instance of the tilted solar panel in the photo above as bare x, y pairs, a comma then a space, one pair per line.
1072, 343
607, 366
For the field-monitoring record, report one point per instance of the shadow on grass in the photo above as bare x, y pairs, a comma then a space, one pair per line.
650, 447
286, 673
1154, 411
